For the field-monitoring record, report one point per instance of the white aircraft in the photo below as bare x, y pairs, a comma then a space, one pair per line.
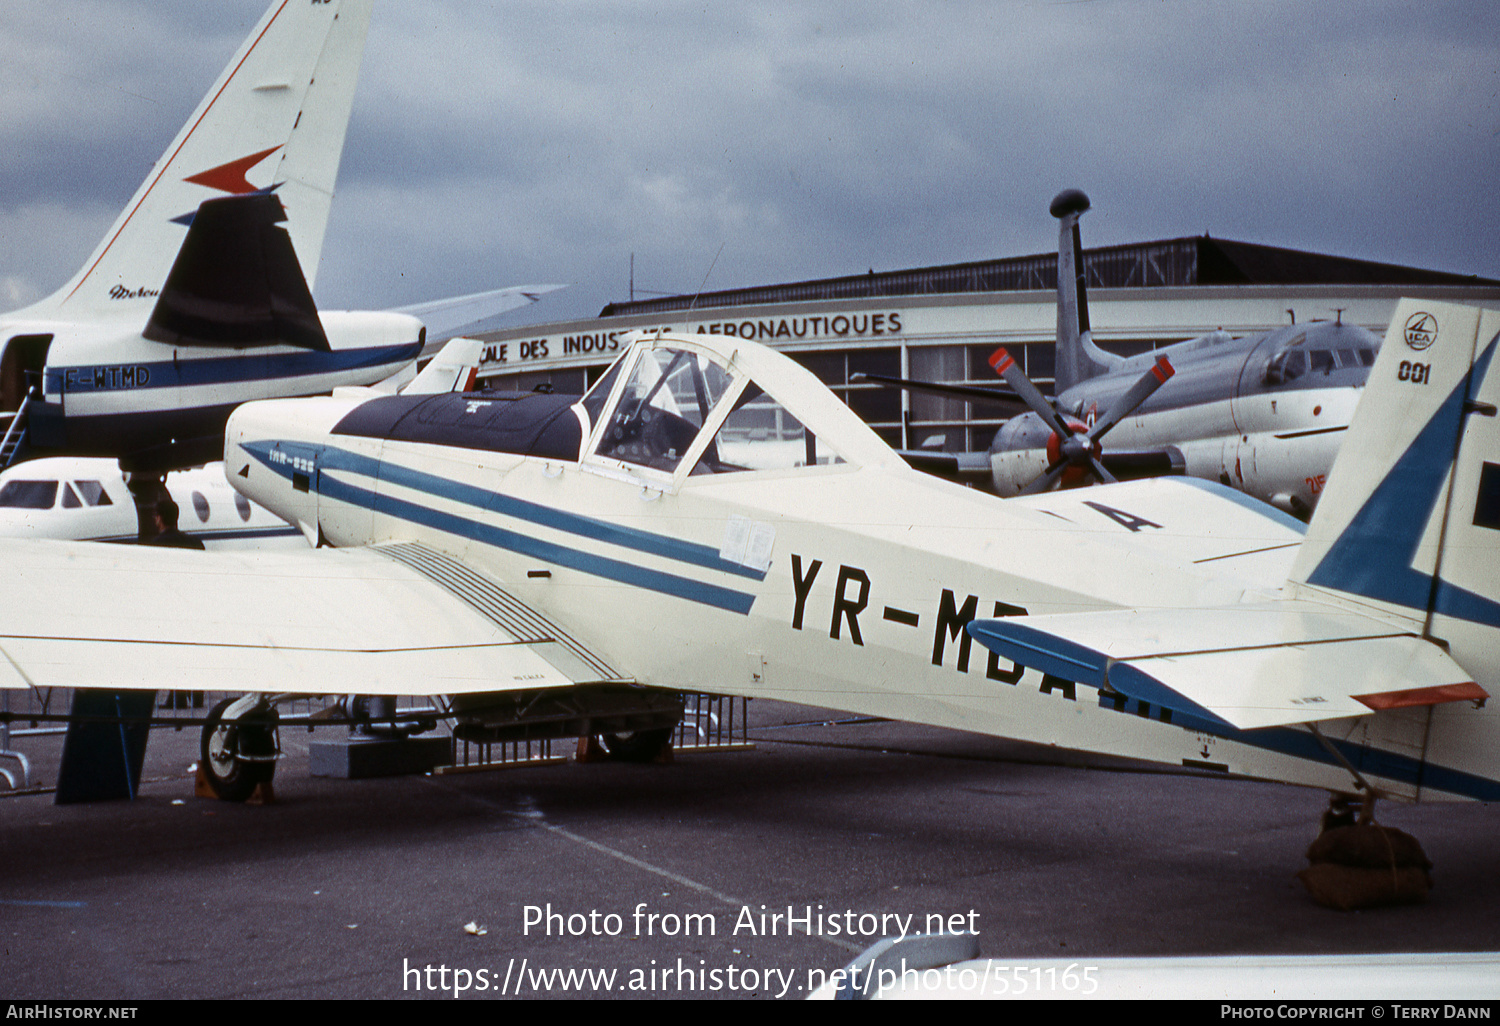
85, 498
1263, 413
546, 563
197, 300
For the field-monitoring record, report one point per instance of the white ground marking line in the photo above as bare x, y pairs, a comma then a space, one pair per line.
734, 903
531, 814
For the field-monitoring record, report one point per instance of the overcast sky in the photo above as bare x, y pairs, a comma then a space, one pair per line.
497, 144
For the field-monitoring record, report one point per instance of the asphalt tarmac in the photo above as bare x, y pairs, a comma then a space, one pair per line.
665, 881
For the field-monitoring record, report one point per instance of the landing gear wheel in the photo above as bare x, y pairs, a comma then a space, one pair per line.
232, 778
638, 745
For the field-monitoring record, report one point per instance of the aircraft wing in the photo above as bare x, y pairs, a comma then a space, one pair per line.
397, 619
1242, 667
448, 318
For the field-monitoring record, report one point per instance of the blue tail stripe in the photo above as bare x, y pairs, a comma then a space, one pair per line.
1373, 556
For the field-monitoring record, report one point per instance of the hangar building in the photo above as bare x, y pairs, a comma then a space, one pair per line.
942, 323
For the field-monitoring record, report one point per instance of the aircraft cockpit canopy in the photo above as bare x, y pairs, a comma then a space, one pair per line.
1295, 359
673, 395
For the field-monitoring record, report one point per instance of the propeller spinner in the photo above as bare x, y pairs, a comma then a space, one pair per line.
1072, 447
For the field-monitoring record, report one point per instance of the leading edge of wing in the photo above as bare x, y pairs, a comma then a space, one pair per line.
1238, 667
326, 621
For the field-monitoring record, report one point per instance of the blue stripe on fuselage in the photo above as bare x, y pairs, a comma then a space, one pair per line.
331, 459
1377, 762
223, 370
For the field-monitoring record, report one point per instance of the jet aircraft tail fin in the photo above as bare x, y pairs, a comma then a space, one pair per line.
1411, 516
275, 120
1078, 359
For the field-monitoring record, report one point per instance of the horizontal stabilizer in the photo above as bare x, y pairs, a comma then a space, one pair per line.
391, 620
1238, 667
237, 282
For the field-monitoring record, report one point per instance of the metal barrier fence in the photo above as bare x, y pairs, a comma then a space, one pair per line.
709, 723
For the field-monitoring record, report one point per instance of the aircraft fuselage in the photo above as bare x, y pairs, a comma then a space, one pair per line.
1264, 414
108, 391
845, 585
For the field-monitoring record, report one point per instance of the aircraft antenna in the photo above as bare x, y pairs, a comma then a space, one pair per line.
699, 295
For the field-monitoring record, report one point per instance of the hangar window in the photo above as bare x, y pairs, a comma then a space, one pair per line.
28, 494
877, 405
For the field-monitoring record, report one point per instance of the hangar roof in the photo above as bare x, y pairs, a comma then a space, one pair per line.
1196, 260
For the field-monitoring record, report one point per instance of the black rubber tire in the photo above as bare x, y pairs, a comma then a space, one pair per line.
232, 779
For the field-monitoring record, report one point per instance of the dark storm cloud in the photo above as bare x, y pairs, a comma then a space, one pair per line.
528, 142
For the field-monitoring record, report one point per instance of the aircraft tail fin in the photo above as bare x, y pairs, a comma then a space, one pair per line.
454, 369
1078, 358
1411, 515
275, 120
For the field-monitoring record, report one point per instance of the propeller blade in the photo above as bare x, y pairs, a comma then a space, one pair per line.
1046, 481
1016, 378
974, 393
1137, 393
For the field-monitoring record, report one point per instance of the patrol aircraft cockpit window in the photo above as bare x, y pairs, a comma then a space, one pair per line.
1287, 365
666, 400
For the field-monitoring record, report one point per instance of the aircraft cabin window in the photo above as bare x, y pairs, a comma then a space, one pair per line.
70, 499
200, 507
93, 493
28, 494
242, 507
761, 434
669, 395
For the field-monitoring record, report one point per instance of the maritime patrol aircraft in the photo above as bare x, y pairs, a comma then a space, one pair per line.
710, 517
1263, 413
197, 299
